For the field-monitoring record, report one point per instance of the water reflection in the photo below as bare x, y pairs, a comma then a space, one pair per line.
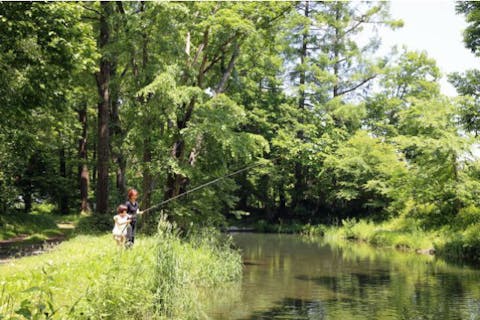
286, 277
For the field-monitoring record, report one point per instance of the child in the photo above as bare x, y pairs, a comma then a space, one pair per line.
133, 211
122, 219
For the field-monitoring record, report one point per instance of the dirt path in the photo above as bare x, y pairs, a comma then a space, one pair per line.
19, 247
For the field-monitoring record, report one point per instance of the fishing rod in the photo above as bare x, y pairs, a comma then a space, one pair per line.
200, 187
204, 185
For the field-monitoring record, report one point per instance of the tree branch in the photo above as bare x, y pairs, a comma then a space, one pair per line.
204, 59
361, 83
91, 9
215, 60
120, 7
223, 83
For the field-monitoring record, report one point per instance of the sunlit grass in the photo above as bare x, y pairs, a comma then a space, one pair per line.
404, 234
90, 277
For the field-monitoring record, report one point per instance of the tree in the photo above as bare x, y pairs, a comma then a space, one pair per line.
329, 67
103, 83
42, 46
471, 35
468, 85
411, 75
364, 175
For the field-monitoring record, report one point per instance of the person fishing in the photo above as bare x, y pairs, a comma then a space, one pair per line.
122, 220
133, 211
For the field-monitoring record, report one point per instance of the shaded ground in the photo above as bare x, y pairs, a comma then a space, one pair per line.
27, 245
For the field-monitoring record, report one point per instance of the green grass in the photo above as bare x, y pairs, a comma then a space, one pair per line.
400, 233
89, 277
23, 224
41, 223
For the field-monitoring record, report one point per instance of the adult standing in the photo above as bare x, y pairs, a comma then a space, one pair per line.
133, 211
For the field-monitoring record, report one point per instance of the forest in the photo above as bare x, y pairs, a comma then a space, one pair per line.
277, 116
99, 97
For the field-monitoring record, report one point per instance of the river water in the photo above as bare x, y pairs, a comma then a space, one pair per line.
290, 277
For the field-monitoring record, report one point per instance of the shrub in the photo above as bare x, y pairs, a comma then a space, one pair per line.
466, 217
363, 230
348, 225
314, 230
95, 224
382, 238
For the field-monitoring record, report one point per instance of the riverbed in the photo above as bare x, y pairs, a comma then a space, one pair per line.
291, 277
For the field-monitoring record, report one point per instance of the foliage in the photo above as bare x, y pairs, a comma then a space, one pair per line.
198, 90
471, 34
365, 168
94, 224
461, 246
400, 233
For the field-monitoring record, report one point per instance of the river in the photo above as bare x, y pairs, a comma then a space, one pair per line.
290, 277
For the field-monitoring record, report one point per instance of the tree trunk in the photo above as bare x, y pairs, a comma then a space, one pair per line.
121, 171
63, 196
83, 167
27, 199
336, 54
298, 171
175, 182
119, 136
26, 184
94, 161
103, 82
147, 176
226, 75
303, 56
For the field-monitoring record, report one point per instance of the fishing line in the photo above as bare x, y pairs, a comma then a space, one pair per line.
204, 185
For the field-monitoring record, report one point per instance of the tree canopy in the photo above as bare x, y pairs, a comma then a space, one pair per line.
99, 97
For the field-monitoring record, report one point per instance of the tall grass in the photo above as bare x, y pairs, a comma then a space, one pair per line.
89, 277
401, 233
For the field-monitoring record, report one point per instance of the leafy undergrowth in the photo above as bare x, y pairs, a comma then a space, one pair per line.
461, 239
89, 277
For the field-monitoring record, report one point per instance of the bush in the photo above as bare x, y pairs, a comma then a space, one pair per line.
466, 217
348, 225
314, 230
363, 230
261, 225
95, 224
382, 238
43, 208
462, 246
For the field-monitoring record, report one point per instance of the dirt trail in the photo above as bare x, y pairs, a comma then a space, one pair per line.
19, 247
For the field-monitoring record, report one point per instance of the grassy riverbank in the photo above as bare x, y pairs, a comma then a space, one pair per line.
459, 241
88, 277
404, 234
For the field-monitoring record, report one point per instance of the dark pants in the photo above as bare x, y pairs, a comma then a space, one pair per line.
131, 232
